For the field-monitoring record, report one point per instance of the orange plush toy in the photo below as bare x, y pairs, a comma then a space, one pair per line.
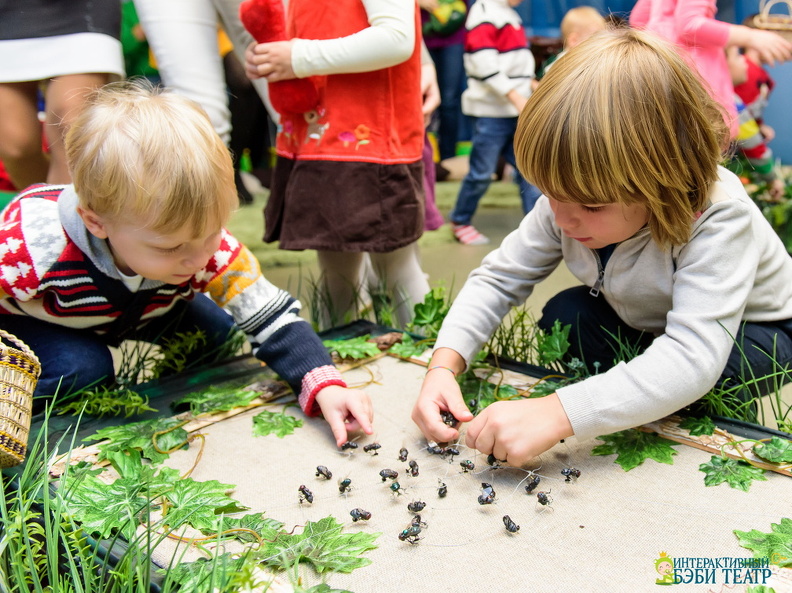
266, 21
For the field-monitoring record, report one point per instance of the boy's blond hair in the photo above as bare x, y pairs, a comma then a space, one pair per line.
584, 20
139, 153
623, 118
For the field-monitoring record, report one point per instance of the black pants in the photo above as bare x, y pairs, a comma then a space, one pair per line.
598, 336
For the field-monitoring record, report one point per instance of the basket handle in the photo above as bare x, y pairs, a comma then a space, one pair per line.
18, 343
766, 6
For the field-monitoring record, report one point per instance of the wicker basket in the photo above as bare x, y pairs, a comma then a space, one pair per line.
777, 23
19, 372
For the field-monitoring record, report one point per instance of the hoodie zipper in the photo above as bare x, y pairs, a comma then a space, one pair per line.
595, 290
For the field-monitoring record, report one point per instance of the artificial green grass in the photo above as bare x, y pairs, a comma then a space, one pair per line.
247, 223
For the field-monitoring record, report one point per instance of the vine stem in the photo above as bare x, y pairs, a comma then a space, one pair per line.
733, 443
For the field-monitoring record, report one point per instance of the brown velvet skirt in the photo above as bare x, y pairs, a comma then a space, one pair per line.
344, 206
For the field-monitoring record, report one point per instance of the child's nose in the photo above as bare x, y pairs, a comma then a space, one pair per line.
565, 215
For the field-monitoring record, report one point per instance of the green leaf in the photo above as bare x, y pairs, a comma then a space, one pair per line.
552, 347
776, 450
356, 348
266, 528
408, 348
105, 401
776, 545
129, 464
278, 423
198, 503
429, 315
737, 473
104, 509
140, 435
323, 544
633, 447
760, 589
217, 399
698, 426
219, 573
321, 588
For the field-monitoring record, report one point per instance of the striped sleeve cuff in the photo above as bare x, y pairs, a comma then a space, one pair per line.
313, 382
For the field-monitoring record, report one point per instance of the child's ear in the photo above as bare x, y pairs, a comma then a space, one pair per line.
93, 222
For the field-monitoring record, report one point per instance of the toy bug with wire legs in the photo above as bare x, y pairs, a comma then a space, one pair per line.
305, 494
372, 448
487, 495
433, 449
467, 465
416, 520
396, 488
495, 462
532, 484
324, 472
349, 445
544, 498
416, 506
510, 525
389, 474
413, 467
360, 515
442, 489
410, 535
449, 419
450, 452
403, 453
344, 485
570, 473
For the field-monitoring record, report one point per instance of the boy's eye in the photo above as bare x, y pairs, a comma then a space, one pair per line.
169, 249
593, 208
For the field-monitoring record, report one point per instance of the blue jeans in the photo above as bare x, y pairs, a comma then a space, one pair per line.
492, 137
73, 359
760, 349
454, 125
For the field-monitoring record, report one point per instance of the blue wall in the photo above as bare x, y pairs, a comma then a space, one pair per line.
543, 18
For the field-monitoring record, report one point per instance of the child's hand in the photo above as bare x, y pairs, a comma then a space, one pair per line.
518, 431
346, 410
517, 100
776, 190
439, 392
269, 60
768, 133
770, 46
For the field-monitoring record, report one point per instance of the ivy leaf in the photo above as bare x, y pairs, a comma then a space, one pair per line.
217, 399
321, 588
698, 426
776, 450
156, 478
210, 574
198, 503
408, 348
737, 473
552, 346
760, 589
776, 545
430, 314
105, 509
278, 423
633, 447
140, 435
355, 348
265, 528
323, 544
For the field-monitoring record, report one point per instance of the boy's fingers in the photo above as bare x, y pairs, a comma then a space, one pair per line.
339, 429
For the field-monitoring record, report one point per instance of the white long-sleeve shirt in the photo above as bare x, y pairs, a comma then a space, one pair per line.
692, 298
